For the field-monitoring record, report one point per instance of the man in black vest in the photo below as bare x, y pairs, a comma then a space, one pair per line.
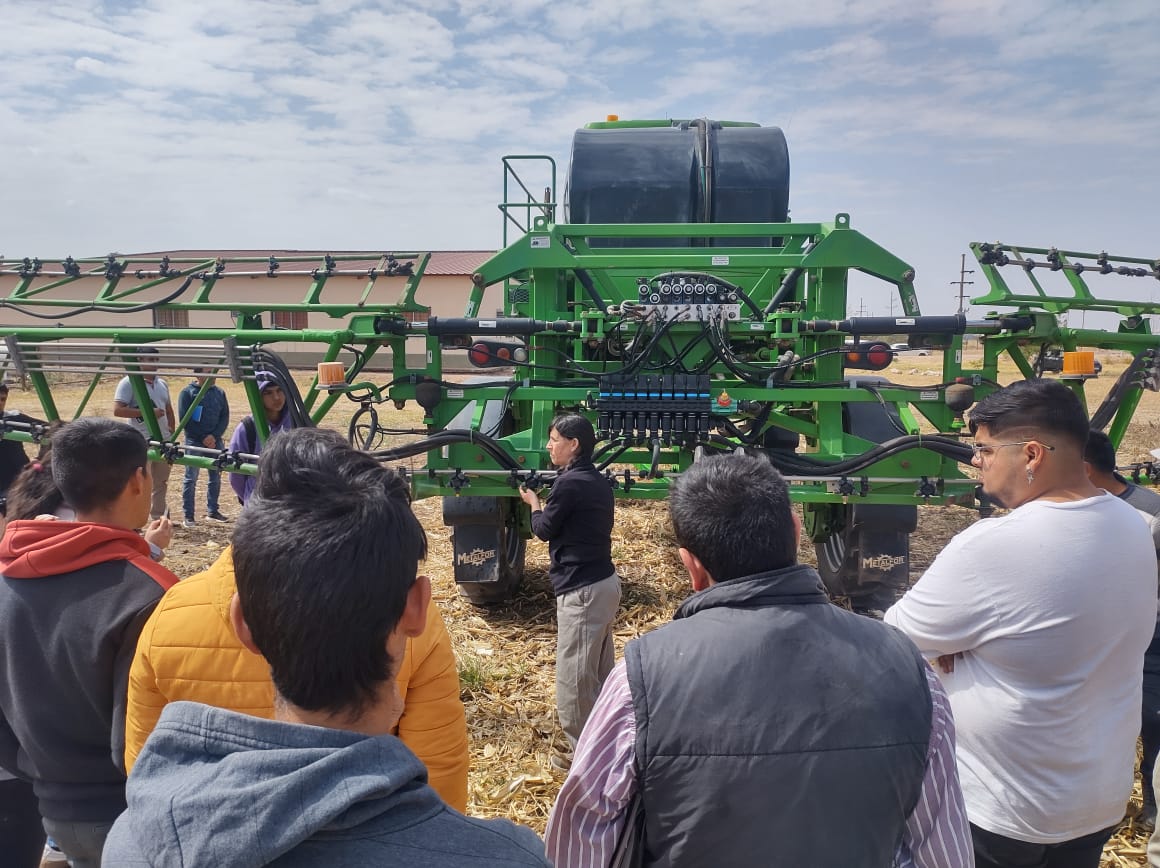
737, 734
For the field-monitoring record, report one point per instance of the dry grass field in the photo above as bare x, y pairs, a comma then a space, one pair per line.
506, 653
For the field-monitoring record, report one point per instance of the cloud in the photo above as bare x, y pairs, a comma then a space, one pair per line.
352, 123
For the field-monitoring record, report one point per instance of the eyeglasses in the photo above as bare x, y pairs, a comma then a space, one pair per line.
986, 450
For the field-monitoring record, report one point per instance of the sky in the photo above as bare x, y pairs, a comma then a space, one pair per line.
346, 125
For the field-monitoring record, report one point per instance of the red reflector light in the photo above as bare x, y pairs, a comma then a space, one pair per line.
872, 355
479, 355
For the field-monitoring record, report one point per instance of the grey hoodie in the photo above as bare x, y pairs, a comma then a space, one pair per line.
216, 788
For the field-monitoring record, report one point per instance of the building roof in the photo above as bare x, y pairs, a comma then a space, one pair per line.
442, 262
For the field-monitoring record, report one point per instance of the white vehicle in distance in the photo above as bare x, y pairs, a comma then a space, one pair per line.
906, 348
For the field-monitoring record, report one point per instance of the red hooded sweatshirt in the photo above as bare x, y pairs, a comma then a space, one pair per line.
33, 549
73, 600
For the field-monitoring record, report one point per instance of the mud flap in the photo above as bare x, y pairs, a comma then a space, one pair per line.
880, 553
867, 557
487, 550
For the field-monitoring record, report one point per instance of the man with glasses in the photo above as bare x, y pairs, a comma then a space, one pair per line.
1040, 619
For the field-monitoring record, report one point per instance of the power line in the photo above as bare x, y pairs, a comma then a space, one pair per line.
963, 283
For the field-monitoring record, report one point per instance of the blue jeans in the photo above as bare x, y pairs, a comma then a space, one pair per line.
213, 489
82, 843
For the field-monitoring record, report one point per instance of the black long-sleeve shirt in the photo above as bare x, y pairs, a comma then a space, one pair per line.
12, 454
576, 522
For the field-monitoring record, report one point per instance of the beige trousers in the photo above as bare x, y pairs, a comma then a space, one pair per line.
584, 653
160, 471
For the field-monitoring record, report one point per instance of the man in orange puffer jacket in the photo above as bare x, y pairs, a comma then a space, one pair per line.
188, 650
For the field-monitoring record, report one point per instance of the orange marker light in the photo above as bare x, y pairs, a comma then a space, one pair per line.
1080, 363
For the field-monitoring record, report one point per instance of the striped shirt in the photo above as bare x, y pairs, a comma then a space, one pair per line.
589, 813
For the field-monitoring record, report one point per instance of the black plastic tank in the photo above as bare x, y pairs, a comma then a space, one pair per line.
687, 172
633, 175
748, 179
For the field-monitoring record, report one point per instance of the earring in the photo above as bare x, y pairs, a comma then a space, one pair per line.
1030, 476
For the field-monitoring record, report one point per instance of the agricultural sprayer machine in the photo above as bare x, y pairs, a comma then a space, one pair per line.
674, 304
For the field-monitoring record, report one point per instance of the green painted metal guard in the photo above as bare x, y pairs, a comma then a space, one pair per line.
775, 357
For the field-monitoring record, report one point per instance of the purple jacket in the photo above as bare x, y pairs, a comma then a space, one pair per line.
242, 484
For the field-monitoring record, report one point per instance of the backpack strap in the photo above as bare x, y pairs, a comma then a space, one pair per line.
251, 433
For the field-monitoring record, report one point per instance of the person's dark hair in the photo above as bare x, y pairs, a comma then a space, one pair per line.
734, 513
3, 388
94, 459
34, 492
148, 351
324, 556
573, 426
1039, 406
1100, 453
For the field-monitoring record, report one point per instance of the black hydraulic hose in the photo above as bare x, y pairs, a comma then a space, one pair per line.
1104, 413
787, 286
103, 308
586, 281
680, 357
446, 438
606, 446
656, 459
616, 453
753, 376
647, 351
945, 446
749, 437
948, 448
750, 303
270, 363
358, 364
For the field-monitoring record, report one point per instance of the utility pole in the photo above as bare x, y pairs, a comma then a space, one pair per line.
891, 305
963, 283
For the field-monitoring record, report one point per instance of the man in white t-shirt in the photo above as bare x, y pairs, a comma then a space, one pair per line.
126, 407
1043, 665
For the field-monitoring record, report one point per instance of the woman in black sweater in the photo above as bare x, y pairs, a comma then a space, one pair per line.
576, 522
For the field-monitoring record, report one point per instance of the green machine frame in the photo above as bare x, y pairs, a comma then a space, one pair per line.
722, 336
